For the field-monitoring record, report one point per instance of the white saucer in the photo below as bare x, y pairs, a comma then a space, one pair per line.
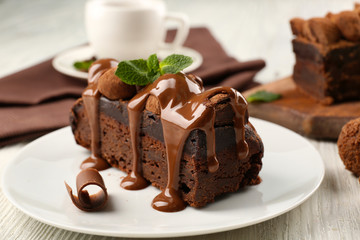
34, 183
64, 61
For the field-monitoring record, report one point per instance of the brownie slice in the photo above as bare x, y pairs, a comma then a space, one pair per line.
197, 185
327, 51
327, 74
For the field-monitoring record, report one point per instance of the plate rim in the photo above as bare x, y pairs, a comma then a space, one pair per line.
159, 235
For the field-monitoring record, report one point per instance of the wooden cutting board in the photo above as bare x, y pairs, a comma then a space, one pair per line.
300, 113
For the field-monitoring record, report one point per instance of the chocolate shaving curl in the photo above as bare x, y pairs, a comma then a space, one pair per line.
84, 201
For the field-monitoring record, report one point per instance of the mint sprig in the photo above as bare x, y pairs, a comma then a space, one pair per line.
175, 63
263, 96
142, 72
134, 71
83, 65
153, 63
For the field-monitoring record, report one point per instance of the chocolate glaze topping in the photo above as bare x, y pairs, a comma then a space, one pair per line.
183, 108
91, 96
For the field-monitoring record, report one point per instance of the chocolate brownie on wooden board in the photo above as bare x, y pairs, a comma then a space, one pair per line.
197, 185
327, 52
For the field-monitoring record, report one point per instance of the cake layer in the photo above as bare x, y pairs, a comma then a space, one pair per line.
197, 185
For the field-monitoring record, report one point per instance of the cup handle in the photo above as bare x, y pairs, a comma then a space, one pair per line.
182, 30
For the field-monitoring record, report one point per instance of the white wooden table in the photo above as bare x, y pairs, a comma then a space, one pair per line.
31, 31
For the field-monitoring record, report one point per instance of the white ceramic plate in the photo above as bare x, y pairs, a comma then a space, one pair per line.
34, 183
64, 61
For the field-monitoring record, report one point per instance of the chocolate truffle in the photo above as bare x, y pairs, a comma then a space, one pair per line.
98, 67
348, 23
349, 146
324, 31
153, 105
113, 88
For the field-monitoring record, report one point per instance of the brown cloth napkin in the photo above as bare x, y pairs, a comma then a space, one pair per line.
38, 99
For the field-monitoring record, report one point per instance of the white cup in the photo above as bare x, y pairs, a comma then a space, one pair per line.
131, 29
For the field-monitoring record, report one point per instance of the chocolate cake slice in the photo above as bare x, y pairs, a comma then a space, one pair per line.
327, 54
328, 75
197, 185
192, 144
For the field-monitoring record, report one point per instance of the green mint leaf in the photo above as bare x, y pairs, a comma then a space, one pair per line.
153, 63
142, 72
83, 65
153, 76
263, 96
133, 72
175, 63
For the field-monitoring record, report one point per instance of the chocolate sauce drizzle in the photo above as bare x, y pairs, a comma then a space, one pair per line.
183, 109
91, 96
